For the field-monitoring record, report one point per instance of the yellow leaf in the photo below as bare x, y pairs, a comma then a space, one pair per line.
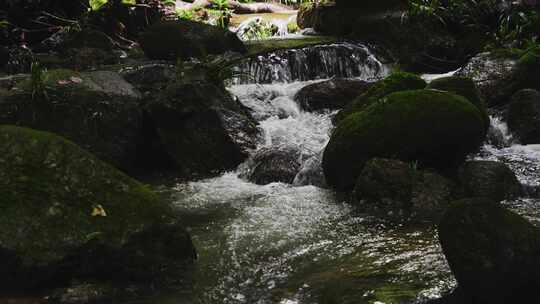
98, 211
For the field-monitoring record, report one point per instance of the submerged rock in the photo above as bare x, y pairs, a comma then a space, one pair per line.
331, 94
273, 165
186, 39
492, 252
401, 191
202, 128
398, 81
488, 179
68, 216
524, 116
434, 128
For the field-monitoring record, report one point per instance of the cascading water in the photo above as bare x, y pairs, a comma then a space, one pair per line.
300, 243
316, 62
281, 243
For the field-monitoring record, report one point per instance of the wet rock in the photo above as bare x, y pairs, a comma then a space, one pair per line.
112, 228
272, 166
465, 87
398, 81
489, 179
401, 191
186, 39
524, 116
434, 128
99, 111
491, 251
330, 95
202, 128
491, 73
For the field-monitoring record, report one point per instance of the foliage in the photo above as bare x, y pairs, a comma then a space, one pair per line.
38, 81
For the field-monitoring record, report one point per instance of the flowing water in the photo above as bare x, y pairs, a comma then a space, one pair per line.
299, 243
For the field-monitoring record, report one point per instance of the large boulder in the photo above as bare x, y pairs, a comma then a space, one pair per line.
400, 191
186, 39
524, 116
331, 94
273, 165
202, 128
465, 87
68, 216
99, 111
491, 73
492, 252
398, 81
488, 179
434, 128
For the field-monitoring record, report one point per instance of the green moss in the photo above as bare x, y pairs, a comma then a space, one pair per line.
465, 87
256, 47
437, 129
50, 188
527, 69
398, 81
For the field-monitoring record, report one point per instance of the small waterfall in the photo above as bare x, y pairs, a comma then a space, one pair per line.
498, 135
315, 62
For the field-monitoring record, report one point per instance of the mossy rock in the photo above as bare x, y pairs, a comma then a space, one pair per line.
492, 251
186, 39
66, 215
399, 191
524, 116
434, 128
488, 179
398, 81
331, 94
465, 87
99, 111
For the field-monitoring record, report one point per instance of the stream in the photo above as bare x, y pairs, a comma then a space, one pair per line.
301, 244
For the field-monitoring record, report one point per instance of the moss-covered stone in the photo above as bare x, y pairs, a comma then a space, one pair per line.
488, 179
400, 191
465, 87
185, 39
65, 215
492, 252
436, 129
524, 116
398, 81
99, 111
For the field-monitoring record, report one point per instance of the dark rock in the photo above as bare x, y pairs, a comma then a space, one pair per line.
492, 252
271, 166
186, 39
491, 73
492, 180
149, 76
99, 111
85, 293
68, 216
330, 95
434, 128
398, 190
524, 116
203, 129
